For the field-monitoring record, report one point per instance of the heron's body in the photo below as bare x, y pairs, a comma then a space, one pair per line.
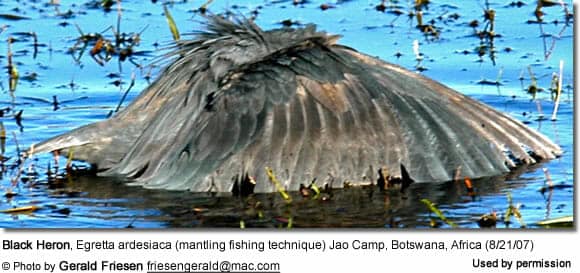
237, 99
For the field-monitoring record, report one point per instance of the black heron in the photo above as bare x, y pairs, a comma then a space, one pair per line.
236, 99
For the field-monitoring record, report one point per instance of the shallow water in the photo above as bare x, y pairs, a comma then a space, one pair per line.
88, 92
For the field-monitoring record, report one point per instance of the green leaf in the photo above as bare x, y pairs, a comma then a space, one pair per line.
172, 25
435, 210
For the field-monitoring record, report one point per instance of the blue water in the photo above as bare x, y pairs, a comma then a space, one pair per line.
87, 94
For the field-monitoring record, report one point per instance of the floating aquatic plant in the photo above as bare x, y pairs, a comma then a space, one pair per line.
513, 210
12, 70
278, 185
25, 209
565, 221
437, 212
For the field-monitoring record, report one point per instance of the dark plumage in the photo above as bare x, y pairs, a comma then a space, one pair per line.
237, 99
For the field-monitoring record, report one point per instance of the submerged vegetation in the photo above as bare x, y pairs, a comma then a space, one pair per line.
429, 24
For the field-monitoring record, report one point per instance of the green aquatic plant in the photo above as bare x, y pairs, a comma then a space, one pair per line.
278, 185
438, 212
203, 8
12, 70
69, 159
171, 23
513, 210
315, 189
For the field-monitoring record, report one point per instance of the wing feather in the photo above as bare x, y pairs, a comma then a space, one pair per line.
238, 99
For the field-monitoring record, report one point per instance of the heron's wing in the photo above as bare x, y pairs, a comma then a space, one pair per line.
452, 127
195, 134
324, 112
